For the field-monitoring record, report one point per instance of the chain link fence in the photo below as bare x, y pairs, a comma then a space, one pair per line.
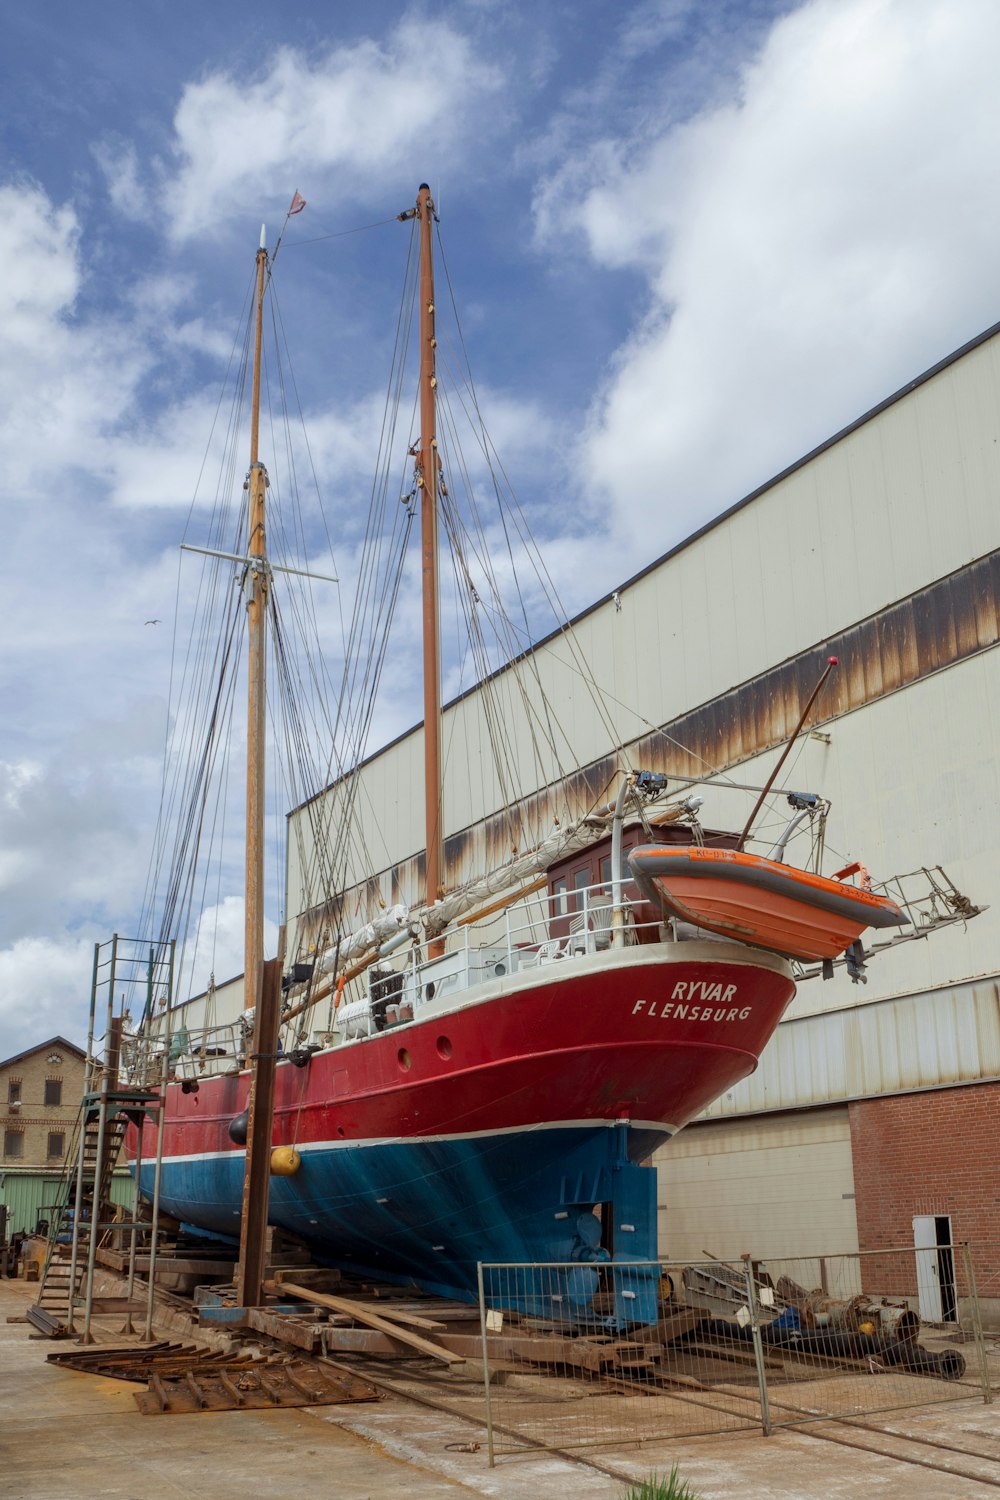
587, 1355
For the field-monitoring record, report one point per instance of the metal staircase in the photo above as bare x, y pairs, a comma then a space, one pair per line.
85, 1214
85, 1217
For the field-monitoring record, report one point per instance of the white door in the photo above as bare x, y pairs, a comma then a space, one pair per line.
928, 1284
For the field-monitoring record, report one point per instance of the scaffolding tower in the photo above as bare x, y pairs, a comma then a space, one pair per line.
123, 1086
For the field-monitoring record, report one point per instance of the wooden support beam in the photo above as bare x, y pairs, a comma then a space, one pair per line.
362, 1314
260, 1124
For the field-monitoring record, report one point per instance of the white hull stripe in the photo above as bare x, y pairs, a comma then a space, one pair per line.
305, 1147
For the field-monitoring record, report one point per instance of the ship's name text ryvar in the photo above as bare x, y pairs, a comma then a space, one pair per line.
714, 994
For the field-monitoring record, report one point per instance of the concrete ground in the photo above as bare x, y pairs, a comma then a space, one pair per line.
68, 1436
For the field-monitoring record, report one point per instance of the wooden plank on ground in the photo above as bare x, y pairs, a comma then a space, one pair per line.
372, 1320
670, 1327
394, 1312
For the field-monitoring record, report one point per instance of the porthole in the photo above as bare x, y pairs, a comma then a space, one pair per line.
430, 990
403, 1058
444, 1046
499, 969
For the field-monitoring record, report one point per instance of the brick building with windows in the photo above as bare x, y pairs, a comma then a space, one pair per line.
40, 1093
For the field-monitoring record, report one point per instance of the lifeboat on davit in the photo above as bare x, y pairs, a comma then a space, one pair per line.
760, 901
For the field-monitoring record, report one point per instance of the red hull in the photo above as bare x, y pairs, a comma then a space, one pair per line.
650, 1040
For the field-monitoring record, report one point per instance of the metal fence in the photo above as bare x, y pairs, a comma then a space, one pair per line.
606, 1354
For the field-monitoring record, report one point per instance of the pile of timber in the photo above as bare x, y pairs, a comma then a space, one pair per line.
384, 1323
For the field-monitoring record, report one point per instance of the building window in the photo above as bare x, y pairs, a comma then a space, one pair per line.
53, 1091
13, 1091
57, 1142
13, 1143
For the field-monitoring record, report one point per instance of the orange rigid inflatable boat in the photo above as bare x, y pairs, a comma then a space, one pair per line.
760, 901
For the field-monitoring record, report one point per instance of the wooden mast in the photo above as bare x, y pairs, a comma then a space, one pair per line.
427, 482
256, 597
261, 982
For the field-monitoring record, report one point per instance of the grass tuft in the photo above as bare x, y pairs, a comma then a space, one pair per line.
661, 1487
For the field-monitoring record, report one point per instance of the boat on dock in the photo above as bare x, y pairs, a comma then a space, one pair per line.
478, 1074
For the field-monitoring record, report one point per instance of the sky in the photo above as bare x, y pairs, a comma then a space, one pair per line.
690, 240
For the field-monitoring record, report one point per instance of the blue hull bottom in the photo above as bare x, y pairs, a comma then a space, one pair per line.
429, 1211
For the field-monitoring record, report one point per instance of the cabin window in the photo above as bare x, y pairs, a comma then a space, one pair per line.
606, 873
581, 879
13, 1091
560, 898
57, 1143
53, 1091
13, 1143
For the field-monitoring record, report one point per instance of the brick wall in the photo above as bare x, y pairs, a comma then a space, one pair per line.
29, 1117
931, 1153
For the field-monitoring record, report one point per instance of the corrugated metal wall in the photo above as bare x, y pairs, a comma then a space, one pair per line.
28, 1196
844, 549
885, 550
929, 1040
728, 1190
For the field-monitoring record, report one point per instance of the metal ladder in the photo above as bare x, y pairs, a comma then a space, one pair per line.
85, 1215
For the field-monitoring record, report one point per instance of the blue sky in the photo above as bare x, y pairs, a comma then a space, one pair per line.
689, 241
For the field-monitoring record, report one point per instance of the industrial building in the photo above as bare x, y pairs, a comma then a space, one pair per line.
873, 1115
40, 1092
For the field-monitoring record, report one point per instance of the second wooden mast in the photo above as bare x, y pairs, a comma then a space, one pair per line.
427, 482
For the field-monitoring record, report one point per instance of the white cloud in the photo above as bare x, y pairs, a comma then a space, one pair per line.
217, 948
807, 248
350, 116
44, 991
64, 382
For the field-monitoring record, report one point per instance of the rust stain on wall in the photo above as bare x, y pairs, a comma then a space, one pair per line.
947, 622
950, 620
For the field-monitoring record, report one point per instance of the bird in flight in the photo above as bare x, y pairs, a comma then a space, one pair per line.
151, 622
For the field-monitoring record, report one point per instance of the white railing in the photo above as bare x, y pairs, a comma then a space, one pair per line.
542, 929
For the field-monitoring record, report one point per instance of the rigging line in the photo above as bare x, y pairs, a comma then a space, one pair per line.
380, 479
465, 604
339, 234
361, 722
242, 322
353, 778
491, 608
222, 665
312, 464
779, 792
188, 853
165, 801
314, 777
603, 696
499, 735
508, 644
358, 723
531, 550
538, 565
219, 807
181, 911
301, 602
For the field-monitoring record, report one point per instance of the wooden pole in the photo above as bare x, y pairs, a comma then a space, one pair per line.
261, 982
427, 482
256, 596
831, 663
260, 1125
